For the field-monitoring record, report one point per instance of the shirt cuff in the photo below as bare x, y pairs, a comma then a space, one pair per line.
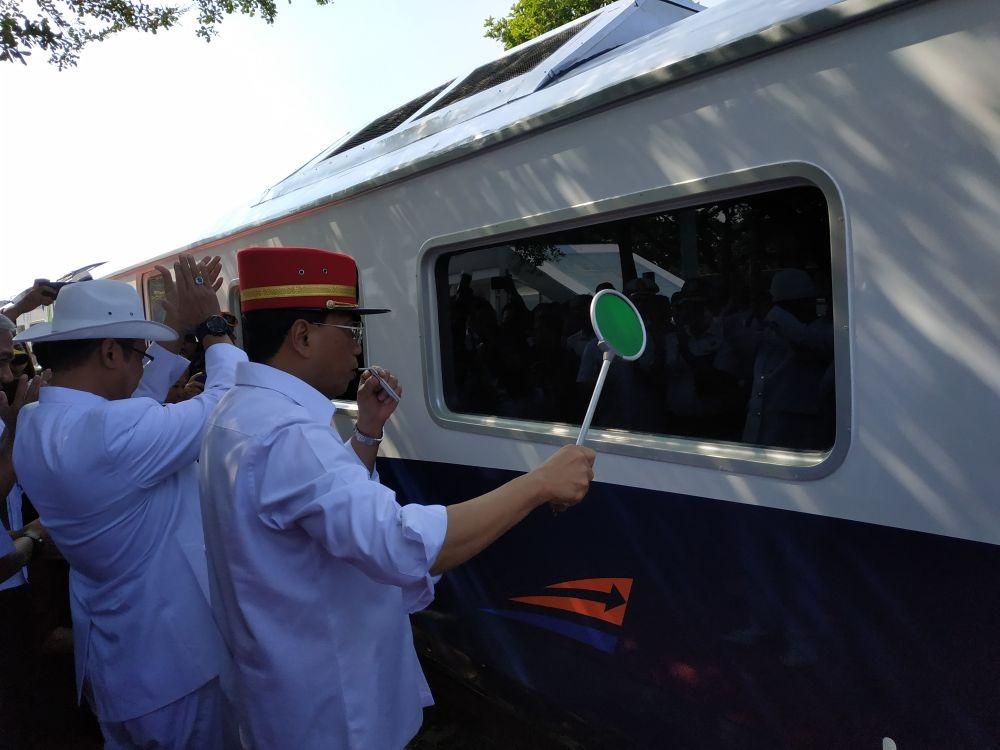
160, 374
220, 364
426, 524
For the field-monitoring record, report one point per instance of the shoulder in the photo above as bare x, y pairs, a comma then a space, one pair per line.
256, 412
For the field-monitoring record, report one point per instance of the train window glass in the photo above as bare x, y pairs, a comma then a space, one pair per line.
735, 294
154, 293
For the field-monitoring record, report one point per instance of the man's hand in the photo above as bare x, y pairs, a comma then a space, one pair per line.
26, 393
35, 528
39, 294
566, 476
375, 406
194, 386
186, 302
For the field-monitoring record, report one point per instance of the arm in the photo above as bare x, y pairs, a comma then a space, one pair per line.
303, 477
148, 442
30, 299
475, 524
307, 479
14, 554
160, 374
375, 406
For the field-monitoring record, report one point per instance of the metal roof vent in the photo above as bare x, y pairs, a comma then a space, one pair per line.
388, 122
508, 67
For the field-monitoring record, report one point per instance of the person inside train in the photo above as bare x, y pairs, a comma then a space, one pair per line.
314, 564
111, 472
792, 387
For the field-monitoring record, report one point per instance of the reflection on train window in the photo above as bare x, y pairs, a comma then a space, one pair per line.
735, 295
155, 292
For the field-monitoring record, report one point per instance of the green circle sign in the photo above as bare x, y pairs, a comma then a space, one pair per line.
618, 324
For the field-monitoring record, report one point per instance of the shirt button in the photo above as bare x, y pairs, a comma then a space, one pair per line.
758, 414
760, 393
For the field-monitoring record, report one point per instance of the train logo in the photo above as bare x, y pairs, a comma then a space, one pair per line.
589, 601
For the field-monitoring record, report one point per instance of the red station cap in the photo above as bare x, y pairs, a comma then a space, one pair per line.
302, 278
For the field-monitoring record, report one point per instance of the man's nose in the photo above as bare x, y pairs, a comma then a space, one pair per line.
6, 376
357, 348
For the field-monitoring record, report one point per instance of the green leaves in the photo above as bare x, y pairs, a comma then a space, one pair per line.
530, 18
64, 27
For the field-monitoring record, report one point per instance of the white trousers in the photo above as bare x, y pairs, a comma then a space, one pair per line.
197, 721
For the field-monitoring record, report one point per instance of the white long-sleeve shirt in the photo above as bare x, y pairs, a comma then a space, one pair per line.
314, 567
115, 485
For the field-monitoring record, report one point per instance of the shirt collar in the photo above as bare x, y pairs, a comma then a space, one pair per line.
264, 376
57, 394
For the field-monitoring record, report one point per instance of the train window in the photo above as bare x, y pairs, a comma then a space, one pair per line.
736, 297
155, 292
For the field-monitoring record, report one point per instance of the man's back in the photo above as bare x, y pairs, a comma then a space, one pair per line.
129, 527
313, 570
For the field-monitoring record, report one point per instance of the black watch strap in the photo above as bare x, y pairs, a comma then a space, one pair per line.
213, 325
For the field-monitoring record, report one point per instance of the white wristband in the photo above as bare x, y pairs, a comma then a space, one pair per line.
366, 439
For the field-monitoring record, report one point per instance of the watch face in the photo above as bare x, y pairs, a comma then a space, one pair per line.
216, 325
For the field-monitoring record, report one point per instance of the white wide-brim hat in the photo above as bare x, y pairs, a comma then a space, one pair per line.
98, 309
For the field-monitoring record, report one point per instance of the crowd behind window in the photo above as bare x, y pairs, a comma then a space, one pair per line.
735, 295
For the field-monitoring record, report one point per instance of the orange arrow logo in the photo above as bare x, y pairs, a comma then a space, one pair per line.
609, 608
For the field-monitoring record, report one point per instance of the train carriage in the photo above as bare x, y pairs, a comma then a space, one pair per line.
789, 544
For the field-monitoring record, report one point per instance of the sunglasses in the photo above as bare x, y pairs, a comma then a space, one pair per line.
137, 350
357, 332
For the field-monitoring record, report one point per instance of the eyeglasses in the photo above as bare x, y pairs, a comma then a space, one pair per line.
357, 332
140, 352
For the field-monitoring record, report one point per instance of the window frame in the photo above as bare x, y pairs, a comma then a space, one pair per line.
724, 456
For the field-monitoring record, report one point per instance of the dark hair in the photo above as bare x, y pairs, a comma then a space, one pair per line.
65, 355
264, 331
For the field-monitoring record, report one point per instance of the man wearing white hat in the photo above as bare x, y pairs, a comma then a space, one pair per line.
113, 479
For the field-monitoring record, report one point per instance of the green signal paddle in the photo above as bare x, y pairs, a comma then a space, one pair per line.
620, 333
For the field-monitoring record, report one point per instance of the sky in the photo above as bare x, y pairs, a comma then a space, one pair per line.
151, 138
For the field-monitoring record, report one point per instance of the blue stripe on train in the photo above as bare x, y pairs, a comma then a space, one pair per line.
591, 636
747, 627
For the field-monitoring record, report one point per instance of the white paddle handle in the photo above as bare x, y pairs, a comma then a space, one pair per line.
605, 366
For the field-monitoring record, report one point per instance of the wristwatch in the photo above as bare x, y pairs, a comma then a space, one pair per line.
213, 325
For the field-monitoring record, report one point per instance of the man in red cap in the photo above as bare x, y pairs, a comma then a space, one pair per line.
314, 566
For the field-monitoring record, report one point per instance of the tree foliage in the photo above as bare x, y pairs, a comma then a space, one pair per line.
63, 27
530, 18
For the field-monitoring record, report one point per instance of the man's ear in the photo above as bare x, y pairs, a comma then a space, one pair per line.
298, 338
109, 354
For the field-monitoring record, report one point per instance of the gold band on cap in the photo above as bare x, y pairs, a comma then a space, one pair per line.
298, 290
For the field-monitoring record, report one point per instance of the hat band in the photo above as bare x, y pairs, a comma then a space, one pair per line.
298, 290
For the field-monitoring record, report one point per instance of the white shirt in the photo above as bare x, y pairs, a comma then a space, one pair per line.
314, 567
14, 511
115, 485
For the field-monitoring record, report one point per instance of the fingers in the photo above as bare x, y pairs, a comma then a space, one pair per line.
168, 281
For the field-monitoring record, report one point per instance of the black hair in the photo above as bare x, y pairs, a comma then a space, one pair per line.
264, 331
66, 355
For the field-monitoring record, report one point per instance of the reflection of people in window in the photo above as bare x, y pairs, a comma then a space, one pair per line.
792, 391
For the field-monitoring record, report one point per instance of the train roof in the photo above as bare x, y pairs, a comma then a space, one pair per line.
628, 48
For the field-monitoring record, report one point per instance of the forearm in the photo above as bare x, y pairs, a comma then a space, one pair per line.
14, 311
475, 524
367, 453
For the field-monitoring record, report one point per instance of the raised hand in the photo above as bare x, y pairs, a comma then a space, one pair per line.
375, 406
26, 393
189, 296
39, 294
